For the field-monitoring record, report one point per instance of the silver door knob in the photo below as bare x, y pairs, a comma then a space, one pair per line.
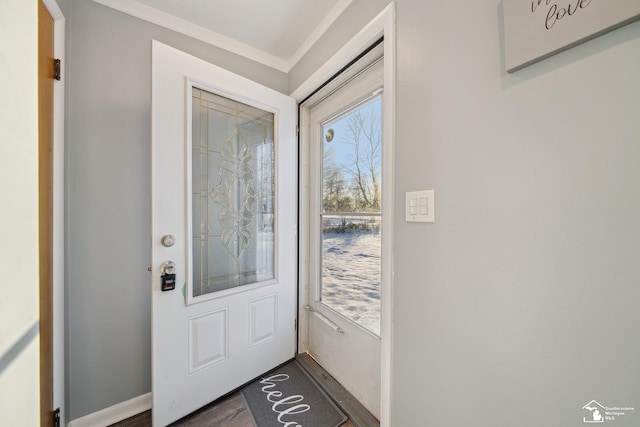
168, 267
167, 240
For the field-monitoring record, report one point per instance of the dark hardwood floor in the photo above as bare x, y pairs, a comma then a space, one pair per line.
231, 410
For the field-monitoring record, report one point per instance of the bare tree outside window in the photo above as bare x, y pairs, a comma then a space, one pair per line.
352, 162
335, 192
364, 136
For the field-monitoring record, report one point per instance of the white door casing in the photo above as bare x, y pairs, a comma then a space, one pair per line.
204, 347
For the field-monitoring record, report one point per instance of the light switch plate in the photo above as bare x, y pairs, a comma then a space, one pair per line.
420, 206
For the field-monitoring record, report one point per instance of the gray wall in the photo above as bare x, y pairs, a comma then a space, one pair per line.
353, 19
520, 304
64, 6
108, 187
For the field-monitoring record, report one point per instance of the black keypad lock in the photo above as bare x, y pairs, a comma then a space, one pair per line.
168, 276
168, 282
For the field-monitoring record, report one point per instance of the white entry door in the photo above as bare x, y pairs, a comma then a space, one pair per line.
224, 222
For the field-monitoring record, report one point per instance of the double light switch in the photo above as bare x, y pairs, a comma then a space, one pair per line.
420, 206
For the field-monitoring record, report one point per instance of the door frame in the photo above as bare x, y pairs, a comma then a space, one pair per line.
383, 25
58, 210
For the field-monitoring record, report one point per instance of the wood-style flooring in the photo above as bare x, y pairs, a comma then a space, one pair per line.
230, 411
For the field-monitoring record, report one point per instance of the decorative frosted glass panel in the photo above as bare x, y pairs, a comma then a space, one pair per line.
232, 193
351, 216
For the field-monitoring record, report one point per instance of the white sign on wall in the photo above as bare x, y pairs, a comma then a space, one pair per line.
537, 29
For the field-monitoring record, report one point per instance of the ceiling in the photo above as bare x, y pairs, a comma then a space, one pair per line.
275, 33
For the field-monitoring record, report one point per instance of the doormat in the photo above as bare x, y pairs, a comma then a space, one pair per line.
287, 396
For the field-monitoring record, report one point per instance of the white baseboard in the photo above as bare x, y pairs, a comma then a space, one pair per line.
115, 413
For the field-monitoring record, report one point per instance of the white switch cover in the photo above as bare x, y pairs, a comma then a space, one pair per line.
420, 206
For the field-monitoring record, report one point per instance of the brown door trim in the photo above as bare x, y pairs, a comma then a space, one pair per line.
45, 208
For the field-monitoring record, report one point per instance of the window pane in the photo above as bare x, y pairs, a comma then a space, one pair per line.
351, 216
351, 275
351, 160
233, 193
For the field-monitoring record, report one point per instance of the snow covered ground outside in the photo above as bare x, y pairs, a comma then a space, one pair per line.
351, 276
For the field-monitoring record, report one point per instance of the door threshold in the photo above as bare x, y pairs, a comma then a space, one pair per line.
357, 413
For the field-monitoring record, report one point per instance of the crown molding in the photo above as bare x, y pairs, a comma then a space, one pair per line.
182, 26
166, 20
318, 32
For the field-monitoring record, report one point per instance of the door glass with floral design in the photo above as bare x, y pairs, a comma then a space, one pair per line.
233, 193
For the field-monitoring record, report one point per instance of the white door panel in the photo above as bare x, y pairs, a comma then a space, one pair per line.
351, 356
236, 325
